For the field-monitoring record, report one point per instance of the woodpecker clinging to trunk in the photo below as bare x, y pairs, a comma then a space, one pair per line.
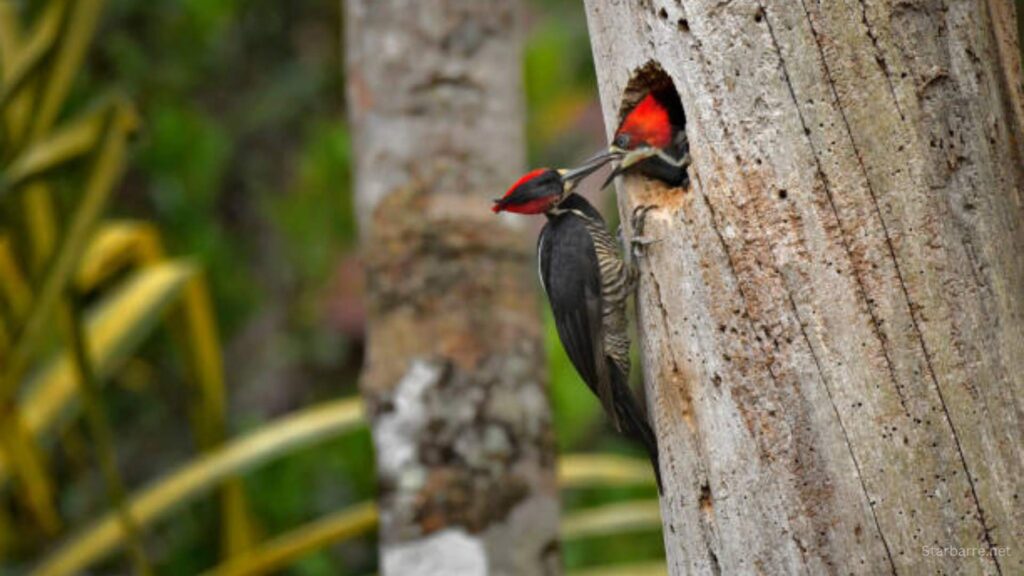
652, 140
588, 285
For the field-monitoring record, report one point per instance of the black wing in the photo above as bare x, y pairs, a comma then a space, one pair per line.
571, 277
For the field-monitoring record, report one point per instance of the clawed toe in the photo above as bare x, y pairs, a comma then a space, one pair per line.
640, 242
639, 218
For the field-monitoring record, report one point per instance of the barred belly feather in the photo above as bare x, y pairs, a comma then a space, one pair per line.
616, 286
588, 284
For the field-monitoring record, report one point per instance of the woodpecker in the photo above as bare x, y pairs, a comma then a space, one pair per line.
652, 141
587, 283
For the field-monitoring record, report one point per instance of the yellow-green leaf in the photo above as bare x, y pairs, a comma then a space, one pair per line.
75, 38
37, 489
101, 431
274, 439
201, 475
644, 569
10, 38
71, 141
114, 328
30, 56
15, 286
575, 471
41, 223
115, 246
590, 470
281, 551
362, 518
106, 170
612, 519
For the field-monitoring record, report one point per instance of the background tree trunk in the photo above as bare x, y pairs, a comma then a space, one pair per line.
454, 376
833, 324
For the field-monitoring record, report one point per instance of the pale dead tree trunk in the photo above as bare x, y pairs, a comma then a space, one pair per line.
454, 381
832, 326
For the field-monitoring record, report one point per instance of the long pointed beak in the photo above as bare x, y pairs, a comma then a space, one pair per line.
618, 170
637, 156
592, 164
629, 159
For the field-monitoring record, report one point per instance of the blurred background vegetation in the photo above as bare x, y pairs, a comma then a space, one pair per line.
229, 216
238, 159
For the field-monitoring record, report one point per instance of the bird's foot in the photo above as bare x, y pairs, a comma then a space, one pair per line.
639, 242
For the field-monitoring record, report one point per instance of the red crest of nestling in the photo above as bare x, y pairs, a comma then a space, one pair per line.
533, 193
647, 124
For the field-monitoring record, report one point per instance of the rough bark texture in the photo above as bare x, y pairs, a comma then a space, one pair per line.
833, 324
454, 377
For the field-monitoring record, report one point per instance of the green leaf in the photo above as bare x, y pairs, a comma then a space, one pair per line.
278, 553
30, 57
640, 569
612, 519
201, 475
76, 36
63, 145
106, 170
114, 328
603, 470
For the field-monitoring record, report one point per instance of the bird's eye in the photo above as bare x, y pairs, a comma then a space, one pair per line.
622, 140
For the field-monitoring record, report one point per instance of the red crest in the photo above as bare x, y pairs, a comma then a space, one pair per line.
647, 124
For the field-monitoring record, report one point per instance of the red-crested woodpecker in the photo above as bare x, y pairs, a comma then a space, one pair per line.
588, 284
652, 140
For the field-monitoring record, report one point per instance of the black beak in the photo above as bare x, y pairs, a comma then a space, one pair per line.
591, 165
628, 159
618, 170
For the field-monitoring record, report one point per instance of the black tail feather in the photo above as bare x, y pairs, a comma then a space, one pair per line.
634, 423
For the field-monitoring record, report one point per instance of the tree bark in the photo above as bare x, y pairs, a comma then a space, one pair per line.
832, 325
454, 380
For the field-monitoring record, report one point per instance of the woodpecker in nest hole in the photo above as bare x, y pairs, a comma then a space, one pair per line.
651, 140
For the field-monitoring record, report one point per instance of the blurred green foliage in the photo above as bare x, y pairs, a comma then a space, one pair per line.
245, 143
244, 161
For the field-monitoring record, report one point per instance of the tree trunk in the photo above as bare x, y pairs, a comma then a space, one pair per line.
454, 381
832, 326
